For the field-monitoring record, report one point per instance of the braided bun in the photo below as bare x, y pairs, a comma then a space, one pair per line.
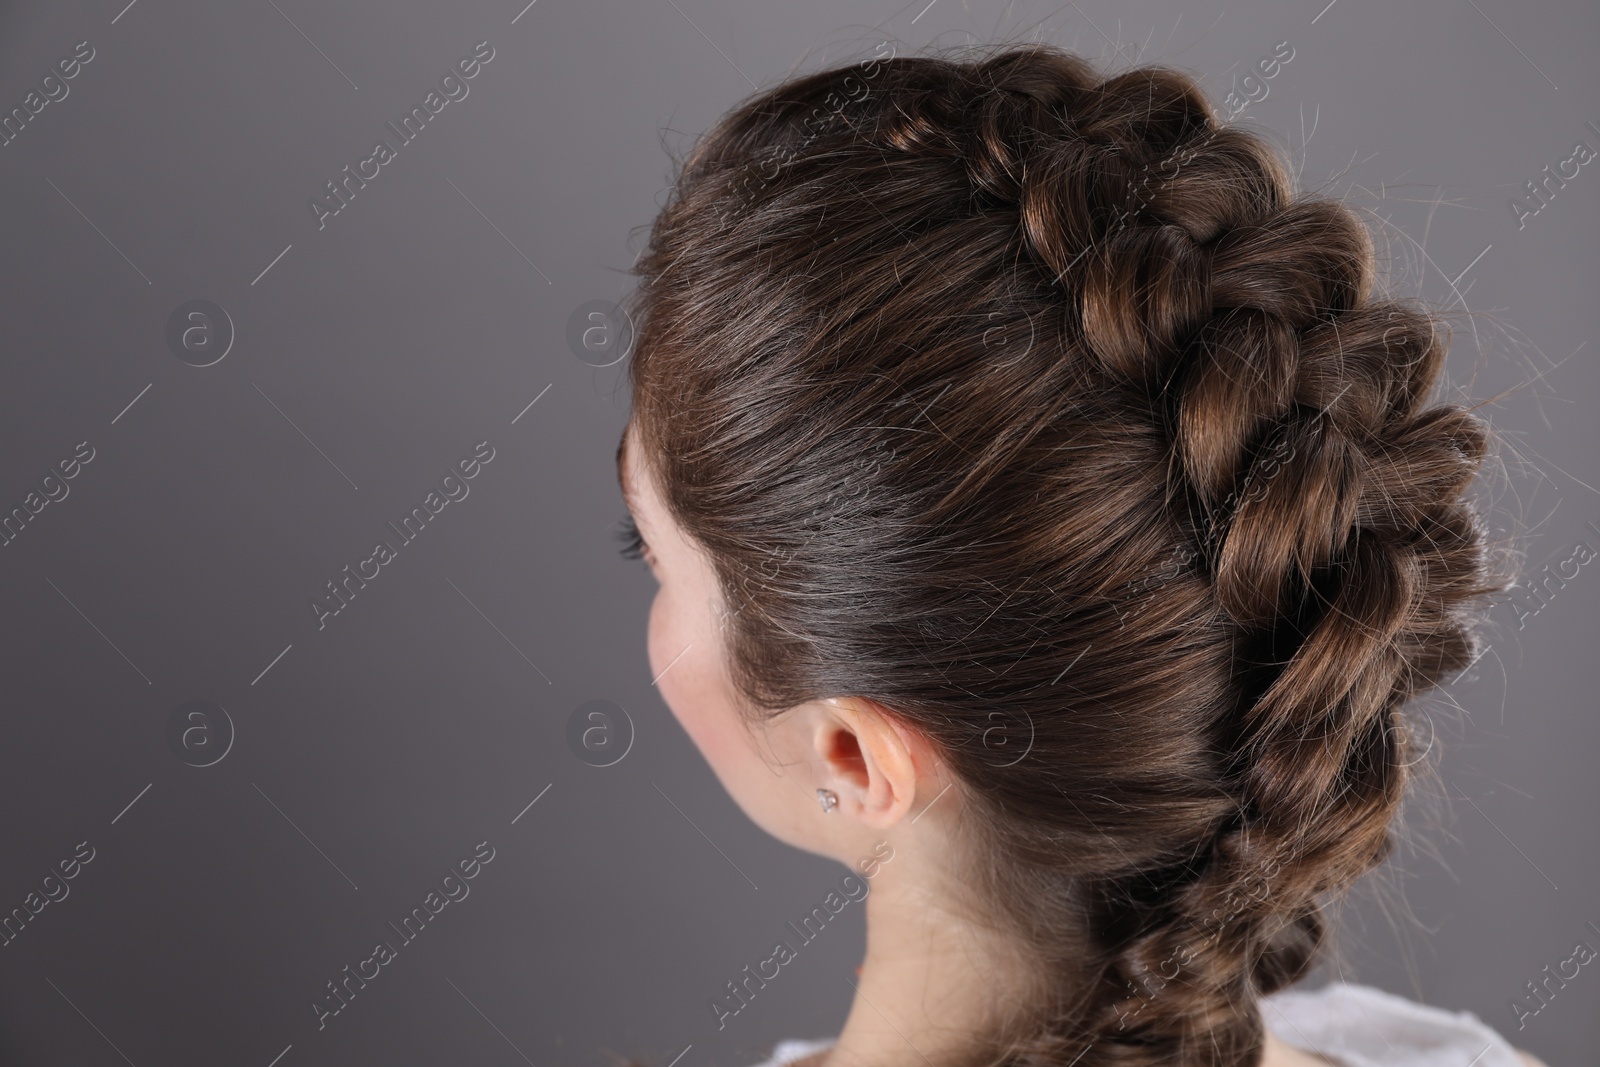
1089, 331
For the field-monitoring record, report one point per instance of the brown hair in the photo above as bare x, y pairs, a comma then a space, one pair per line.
1033, 405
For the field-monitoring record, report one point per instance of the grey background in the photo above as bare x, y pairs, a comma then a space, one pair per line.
430, 712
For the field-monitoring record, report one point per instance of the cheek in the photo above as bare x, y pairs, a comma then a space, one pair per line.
671, 643
683, 660
685, 644
657, 633
675, 658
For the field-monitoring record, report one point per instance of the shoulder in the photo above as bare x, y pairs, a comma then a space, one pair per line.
1362, 1025
804, 1052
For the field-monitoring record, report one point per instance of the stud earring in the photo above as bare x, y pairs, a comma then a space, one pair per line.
828, 798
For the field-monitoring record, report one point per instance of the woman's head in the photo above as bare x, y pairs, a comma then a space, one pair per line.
873, 759
1029, 416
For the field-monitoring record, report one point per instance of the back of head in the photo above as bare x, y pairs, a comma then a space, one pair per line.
1032, 404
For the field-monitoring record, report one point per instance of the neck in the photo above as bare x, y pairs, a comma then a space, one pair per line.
931, 980
934, 983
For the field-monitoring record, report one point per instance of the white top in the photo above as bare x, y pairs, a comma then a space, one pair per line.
1352, 1025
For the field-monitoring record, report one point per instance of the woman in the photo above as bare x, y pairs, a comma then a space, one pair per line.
1034, 485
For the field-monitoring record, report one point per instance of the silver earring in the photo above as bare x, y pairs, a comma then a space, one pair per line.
829, 799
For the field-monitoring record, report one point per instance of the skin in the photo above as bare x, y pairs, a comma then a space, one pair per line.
931, 976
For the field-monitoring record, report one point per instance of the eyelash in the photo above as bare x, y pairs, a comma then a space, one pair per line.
633, 546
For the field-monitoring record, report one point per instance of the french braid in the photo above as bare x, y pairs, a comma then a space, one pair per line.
1206, 376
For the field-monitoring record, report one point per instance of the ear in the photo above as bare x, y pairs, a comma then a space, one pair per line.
871, 759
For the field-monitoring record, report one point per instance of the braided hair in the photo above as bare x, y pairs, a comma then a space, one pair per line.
1034, 405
